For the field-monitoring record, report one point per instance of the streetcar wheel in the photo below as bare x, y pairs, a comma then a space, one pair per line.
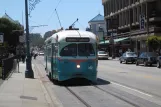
56, 82
50, 76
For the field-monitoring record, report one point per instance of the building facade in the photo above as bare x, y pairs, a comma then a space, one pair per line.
98, 26
136, 19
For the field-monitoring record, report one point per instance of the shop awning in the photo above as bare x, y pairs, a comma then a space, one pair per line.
106, 42
116, 40
121, 39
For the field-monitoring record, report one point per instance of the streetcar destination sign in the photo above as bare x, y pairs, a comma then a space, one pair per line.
72, 39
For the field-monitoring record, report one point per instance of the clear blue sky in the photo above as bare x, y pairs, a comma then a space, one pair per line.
68, 10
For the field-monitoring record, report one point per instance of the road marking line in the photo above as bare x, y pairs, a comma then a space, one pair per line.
132, 89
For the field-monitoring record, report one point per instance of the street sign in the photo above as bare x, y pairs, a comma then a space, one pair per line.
1, 37
142, 22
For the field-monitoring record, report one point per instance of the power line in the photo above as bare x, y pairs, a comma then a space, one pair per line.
58, 18
54, 10
81, 25
58, 4
33, 21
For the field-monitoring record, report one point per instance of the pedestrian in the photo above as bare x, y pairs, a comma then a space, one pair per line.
23, 56
35, 55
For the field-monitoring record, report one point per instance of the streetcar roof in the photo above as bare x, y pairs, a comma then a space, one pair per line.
72, 33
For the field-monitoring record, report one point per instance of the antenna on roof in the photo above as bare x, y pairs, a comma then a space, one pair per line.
71, 26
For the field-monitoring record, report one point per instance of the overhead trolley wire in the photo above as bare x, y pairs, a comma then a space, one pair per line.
54, 10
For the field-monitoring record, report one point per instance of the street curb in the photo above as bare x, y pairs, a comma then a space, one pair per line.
51, 99
47, 97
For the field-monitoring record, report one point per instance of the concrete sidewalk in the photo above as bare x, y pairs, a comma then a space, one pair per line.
19, 91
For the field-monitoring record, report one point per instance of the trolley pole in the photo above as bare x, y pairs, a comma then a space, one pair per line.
29, 72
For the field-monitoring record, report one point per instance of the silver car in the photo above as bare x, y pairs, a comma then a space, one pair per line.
103, 55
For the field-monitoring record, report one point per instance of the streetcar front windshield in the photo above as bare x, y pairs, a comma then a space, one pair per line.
69, 50
85, 49
81, 49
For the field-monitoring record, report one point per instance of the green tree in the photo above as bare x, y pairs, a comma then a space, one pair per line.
154, 42
36, 39
11, 31
49, 33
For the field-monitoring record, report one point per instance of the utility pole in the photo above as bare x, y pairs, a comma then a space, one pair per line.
29, 72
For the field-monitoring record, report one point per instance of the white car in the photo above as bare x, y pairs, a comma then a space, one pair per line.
103, 55
41, 53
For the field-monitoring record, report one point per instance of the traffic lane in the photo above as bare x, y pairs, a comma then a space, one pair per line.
129, 78
147, 72
150, 70
96, 97
89, 94
62, 97
132, 96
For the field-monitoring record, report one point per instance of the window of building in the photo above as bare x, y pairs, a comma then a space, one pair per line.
144, 9
135, 15
131, 16
139, 13
152, 9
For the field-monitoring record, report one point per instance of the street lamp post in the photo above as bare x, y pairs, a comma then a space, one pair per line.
29, 72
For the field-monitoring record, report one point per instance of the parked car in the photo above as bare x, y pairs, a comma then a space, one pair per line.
128, 57
147, 58
103, 55
159, 62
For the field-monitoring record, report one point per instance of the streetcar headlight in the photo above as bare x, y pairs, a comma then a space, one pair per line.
78, 66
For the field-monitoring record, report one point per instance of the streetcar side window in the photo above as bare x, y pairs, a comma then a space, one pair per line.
85, 49
69, 50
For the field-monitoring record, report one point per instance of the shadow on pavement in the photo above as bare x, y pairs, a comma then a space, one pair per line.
148, 65
81, 82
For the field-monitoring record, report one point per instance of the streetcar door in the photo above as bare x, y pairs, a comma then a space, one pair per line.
45, 55
52, 60
55, 53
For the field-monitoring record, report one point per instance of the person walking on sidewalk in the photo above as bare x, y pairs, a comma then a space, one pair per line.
35, 55
23, 56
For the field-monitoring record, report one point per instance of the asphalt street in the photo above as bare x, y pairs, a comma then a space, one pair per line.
118, 85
